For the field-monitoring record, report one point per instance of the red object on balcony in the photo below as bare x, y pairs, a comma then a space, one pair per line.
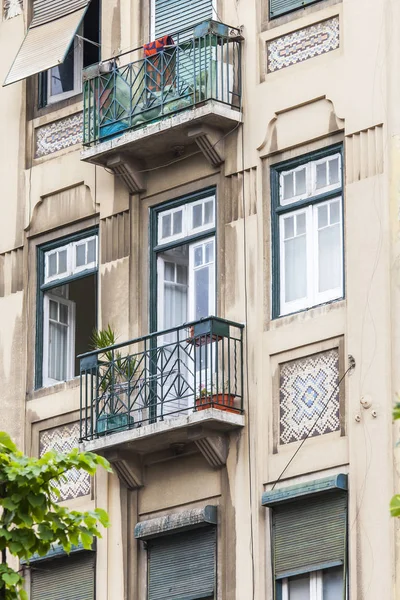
225, 402
158, 45
160, 64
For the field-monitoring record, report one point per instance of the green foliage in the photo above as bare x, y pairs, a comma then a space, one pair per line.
31, 521
115, 369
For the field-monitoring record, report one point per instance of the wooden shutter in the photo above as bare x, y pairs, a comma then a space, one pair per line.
309, 534
67, 578
174, 15
182, 565
280, 7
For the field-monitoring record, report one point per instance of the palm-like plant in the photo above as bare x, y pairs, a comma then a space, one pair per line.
116, 368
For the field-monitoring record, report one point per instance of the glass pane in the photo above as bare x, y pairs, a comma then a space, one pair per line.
333, 584
300, 223
334, 171
209, 212
169, 271
295, 269
288, 188
91, 251
175, 305
81, 255
201, 293
57, 366
52, 265
301, 182
334, 212
62, 261
209, 252
166, 226
198, 256
53, 310
177, 223
289, 227
197, 216
329, 257
181, 274
64, 314
321, 175
299, 588
322, 216
62, 76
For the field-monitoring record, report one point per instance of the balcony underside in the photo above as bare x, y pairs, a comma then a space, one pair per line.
159, 142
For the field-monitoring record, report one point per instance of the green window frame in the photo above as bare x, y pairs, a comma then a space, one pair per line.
192, 236
44, 288
277, 8
303, 207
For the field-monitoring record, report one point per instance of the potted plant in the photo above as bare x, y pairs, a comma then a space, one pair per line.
115, 374
221, 398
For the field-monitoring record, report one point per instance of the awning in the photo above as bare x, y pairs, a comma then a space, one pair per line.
48, 38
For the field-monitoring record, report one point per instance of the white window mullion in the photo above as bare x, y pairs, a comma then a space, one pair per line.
285, 589
313, 262
316, 586
52, 325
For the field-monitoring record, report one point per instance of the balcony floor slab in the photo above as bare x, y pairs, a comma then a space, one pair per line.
156, 436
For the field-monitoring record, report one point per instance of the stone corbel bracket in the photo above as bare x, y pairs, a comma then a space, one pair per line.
210, 142
128, 468
129, 170
214, 449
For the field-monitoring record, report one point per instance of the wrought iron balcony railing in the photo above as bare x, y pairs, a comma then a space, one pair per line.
199, 64
162, 376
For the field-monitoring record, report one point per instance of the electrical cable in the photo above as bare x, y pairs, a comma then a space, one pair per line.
325, 406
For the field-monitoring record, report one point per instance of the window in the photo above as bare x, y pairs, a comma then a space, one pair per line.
309, 538
307, 217
66, 306
281, 7
166, 19
65, 80
64, 578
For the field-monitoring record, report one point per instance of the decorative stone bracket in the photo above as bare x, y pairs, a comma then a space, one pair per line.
129, 170
128, 467
211, 143
214, 449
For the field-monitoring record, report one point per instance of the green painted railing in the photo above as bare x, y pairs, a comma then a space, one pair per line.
161, 376
202, 63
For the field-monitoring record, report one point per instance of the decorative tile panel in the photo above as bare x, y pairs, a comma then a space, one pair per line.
309, 396
59, 135
12, 8
64, 439
303, 44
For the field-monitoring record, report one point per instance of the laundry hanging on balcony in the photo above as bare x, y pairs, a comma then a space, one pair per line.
48, 38
160, 58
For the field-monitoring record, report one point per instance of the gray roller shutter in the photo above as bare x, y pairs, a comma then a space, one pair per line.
48, 38
182, 566
309, 534
174, 15
280, 7
67, 578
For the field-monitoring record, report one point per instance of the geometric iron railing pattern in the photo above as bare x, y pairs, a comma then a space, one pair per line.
198, 64
161, 376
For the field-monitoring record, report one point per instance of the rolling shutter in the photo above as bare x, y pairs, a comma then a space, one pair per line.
174, 15
182, 565
67, 578
48, 38
280, 7
310, 534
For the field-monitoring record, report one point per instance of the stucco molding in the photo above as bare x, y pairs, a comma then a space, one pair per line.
214, 449
128, 468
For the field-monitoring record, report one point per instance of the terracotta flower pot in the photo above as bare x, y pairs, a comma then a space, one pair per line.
225, 402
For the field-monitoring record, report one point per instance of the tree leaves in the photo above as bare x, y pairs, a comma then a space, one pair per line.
31, 521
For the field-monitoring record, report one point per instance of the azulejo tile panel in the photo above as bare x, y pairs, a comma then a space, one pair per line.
59, 135
309, 396
64, 439
12, 8
303, 44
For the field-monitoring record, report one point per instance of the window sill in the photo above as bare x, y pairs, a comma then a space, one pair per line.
67, 107
53, 389
305, 313
295, 15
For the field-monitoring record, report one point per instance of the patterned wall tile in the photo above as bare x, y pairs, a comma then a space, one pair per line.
64, 439
59, 135
306, 385
303, 44
12, 8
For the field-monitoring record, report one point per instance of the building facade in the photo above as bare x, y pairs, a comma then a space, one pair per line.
213, 187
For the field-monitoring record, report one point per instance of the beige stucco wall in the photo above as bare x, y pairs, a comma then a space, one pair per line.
326, 99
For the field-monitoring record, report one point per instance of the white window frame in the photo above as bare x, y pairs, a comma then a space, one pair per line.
211, 281
187, 229
78, 66
72, 269
47, 380
192, 230
313, 297
311, 180
316, 579
176, 236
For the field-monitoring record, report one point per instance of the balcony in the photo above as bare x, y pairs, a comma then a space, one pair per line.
168, 388
158, 105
